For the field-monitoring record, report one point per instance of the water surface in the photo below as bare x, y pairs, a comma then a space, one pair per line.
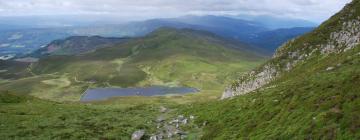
106, 93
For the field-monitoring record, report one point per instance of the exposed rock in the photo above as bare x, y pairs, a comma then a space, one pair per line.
251, 82
228, 93
345, 39
205, 123
184, 121
183, 137
137, 135
154, 137
170, 130
330, 68
174, 121
181, 117
160, 119
163, 109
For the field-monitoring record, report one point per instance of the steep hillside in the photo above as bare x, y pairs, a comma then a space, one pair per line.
13, 69
335, 36
308, 90
167, 56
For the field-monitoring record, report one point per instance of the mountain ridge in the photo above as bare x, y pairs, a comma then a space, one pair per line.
334, 39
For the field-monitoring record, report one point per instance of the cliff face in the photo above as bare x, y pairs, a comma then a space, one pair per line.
337, 35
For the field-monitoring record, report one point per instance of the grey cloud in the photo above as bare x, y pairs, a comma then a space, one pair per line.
316, 10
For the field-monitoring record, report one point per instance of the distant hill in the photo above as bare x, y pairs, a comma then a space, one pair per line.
24, 41
76, 45
274, 23
271, 40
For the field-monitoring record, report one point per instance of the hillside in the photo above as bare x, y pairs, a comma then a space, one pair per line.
24, 117
76, 45
308, 90
167, 56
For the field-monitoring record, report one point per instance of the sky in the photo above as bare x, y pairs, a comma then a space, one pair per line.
312, 10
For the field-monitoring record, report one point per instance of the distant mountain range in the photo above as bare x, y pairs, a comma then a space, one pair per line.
273, 23
253, 31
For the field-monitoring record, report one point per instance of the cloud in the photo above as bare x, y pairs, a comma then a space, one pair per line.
315, 10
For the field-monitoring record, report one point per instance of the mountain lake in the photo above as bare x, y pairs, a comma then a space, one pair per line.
97, 94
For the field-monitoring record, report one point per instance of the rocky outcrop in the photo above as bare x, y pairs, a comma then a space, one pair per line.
137, 135
169, 127
251, 81
287, 57
345, 39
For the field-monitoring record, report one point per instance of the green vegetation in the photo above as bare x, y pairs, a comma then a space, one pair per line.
307, 103
76, 45
317, 99
30, 118
167, 56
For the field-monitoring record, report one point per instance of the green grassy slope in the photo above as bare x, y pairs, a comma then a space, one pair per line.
24, 117
13, 69
308, 103
317, 99
165, 57
76, 45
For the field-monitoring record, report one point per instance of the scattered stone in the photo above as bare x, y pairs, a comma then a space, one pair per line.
205, 123
163, 109
174, 121
160, 119
137, 135
338, 65
179, 132
181, 117
155, 137
254, 100
330, 68
185, 121
192, 117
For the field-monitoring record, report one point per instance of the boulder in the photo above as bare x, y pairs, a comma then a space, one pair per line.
330, 68
154, 137
137, 135
163, 109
